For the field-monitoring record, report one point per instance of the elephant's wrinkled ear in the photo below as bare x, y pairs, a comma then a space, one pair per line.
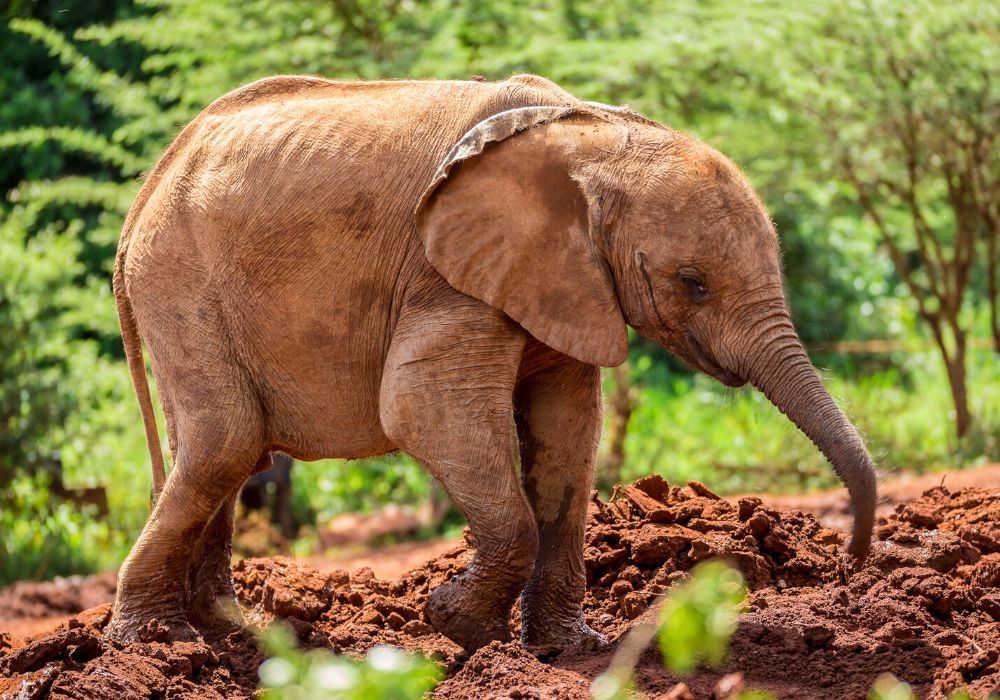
505, 222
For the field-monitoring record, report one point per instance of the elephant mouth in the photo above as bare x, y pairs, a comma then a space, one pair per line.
703, 361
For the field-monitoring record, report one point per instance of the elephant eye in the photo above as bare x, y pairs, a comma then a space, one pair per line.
693, 286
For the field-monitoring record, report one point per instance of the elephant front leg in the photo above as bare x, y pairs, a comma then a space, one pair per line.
447, 399
558, 410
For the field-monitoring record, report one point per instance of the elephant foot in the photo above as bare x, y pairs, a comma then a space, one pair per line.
456, 612
127, 628
548, 639
212, 606
148, 611
217, 616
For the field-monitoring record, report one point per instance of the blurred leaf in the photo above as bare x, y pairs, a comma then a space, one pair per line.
700, 616
385, 672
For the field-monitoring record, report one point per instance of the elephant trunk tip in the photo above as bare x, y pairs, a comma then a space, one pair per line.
862, 488
861, 540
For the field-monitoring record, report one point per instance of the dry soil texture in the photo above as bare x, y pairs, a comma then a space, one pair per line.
925, 606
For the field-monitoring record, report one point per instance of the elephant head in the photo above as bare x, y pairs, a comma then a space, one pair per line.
578, 220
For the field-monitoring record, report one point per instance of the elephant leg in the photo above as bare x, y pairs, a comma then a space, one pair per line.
558, 409
216, 454
447, 399
211, 605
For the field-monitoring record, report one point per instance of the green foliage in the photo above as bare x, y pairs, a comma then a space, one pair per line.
334, 486
42, 538
35, 291
964, 695
385, 672
700, 616
61, 395
888, 687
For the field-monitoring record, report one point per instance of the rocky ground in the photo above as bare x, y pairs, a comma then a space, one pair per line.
925, 607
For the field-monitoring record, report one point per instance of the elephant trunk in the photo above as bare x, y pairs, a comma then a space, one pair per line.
781, 370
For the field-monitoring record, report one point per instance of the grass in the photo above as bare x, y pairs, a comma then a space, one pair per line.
694, 428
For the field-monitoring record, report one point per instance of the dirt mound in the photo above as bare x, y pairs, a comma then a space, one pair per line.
926, 607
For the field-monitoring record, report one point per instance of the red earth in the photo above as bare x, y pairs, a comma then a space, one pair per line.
925, 606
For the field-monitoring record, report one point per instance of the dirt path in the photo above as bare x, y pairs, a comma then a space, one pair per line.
385, 562
926, 606
832, 508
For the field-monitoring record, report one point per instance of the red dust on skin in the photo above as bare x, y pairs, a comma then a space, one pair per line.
925, 607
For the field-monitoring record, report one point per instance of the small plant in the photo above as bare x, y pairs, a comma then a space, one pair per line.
385, 672
700, 616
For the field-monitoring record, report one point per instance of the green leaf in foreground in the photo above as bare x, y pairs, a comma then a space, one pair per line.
385, 672
694, 625
700, 616
888, 687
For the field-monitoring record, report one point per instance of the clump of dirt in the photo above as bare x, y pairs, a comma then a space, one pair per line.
925, 606
77, 663
641, 543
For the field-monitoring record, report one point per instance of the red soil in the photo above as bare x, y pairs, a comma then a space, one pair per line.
926, 607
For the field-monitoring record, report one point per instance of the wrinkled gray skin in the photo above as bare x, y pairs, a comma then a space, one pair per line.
347, 269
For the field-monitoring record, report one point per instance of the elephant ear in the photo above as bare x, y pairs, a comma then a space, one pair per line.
505, 221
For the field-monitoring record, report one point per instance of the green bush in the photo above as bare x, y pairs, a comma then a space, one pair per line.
700, 616
42, 537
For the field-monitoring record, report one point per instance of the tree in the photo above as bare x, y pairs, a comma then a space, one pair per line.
907, 102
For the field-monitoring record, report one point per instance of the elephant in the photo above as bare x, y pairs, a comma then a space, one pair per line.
255, 495
342, 269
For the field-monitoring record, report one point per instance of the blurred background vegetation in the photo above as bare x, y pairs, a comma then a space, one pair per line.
869, 127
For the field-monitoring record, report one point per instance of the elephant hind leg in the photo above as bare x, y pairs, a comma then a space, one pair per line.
211, 603
218, 447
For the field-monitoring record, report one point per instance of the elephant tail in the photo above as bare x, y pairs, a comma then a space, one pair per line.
137, 368
133, 345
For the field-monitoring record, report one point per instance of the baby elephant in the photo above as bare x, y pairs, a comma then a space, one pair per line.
346, 269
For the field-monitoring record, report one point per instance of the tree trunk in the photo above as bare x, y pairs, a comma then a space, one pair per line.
954, 362
992, 292
959, 392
